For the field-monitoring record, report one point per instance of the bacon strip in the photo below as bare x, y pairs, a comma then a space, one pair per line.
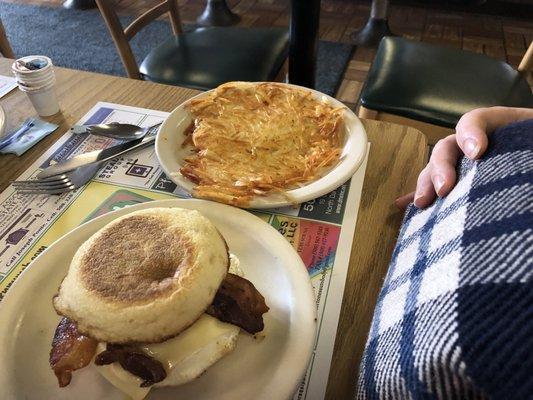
239, 303
134, 361
70, 351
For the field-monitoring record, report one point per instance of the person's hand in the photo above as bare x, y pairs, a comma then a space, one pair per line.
471, 139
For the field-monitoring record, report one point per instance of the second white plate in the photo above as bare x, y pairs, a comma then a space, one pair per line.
263, 369
2, 122
171, 155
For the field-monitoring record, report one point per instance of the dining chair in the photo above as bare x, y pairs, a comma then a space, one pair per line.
202, 58
429, 87
5, 47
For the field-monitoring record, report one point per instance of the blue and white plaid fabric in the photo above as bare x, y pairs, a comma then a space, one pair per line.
454, 319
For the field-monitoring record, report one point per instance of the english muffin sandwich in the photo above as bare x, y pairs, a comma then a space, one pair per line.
150, 300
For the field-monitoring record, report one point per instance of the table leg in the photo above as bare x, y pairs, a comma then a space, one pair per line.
305, 15
217, 13
80, 4
376, 27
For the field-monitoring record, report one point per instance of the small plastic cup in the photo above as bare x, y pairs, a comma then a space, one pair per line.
36, 74
19, 70
38, 84
44, 100
31, 80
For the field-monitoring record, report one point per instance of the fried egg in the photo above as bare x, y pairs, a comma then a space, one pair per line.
184, 357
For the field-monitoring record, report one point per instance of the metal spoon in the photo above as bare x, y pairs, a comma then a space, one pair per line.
114, 130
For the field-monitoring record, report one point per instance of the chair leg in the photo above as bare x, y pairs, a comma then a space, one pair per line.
119, 38
367, 113
377, 26
5, 47
217, 13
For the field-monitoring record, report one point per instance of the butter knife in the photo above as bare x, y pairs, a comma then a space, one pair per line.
97, 156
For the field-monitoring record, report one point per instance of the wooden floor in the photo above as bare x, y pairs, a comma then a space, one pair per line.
503, 38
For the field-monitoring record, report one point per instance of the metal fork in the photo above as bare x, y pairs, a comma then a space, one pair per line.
58, 184
68, 181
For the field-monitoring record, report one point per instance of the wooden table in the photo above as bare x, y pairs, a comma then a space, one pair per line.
396, 157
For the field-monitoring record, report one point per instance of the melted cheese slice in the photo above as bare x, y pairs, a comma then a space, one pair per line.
193, 351
185, 357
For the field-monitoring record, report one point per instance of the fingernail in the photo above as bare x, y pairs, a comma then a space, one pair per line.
418, 196
438, 181
471, 147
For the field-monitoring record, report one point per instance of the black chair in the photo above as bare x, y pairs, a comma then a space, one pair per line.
423, 85
203, 58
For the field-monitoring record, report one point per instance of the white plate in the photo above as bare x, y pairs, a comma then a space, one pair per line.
2, 122
268, 369
171, 155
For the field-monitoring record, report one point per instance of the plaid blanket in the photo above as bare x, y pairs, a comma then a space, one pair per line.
454, 319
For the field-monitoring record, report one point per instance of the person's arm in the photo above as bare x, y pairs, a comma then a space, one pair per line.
471, 138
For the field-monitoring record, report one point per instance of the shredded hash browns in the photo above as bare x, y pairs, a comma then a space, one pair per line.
252, 139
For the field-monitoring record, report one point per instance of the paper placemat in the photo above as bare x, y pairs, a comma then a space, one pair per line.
320, 230
7, 84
